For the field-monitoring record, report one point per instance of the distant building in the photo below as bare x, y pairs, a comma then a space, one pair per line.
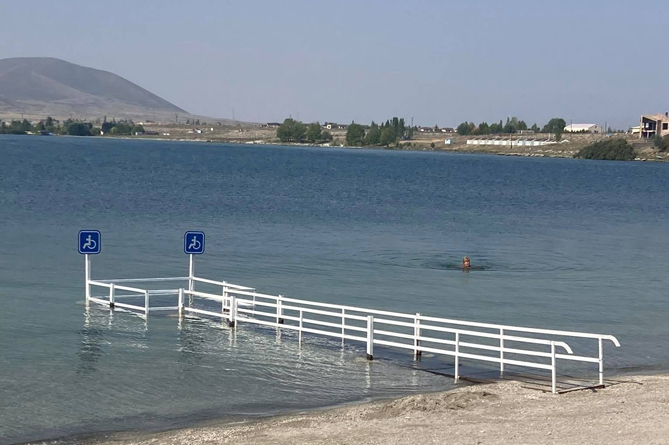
426, 129
334, 126
272, 125
654, 125
583, 128
447, 130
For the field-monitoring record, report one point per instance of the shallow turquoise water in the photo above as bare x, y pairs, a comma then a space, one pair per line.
566, 244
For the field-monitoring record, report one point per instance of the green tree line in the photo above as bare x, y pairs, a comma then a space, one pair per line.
513, 125
388, 133
69, 127
295, 131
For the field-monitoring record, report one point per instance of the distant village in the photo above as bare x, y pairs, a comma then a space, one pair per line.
650, 125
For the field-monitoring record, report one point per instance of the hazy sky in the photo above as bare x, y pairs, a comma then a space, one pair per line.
441, 62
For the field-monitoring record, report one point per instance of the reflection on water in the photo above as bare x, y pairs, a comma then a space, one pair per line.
191, 341
90, 350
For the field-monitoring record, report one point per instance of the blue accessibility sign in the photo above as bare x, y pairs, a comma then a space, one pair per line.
89, 242
194, 243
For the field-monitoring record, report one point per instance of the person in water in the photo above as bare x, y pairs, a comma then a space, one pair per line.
466, 264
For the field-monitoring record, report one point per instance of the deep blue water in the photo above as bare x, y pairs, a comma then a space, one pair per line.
565, 244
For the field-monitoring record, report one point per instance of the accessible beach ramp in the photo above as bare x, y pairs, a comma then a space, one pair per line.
523, 347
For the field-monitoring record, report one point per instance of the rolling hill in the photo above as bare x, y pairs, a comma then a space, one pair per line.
37, 87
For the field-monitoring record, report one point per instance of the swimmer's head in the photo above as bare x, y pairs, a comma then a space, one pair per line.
466, 262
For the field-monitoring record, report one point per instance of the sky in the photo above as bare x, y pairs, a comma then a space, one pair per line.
438, 62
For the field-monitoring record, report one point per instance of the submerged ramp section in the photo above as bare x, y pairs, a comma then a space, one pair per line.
501, 345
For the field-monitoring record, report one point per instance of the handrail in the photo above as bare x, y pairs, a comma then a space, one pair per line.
437, 319
521, 329
143, 280
221, 283
408, 333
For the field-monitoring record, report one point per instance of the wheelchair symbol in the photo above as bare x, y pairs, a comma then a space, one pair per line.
89, 242
194, 243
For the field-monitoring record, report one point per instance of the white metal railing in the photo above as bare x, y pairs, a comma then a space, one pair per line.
415, 332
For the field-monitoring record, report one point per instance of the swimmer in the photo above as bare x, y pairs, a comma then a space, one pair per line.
466, 264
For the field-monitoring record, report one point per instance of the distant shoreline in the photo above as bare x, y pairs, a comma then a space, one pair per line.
532, 152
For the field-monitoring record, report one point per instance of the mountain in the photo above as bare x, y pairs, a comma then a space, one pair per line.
37, 87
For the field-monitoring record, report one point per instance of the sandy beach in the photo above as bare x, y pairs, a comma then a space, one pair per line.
634, 410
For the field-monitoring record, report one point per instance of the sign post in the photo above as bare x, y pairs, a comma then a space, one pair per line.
193, 245
89, 244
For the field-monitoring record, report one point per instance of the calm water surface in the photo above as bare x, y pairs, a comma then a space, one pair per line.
566, 244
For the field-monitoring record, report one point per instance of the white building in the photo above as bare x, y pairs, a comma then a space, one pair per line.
583, 128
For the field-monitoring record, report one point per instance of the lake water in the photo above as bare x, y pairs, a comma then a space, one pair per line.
566, 244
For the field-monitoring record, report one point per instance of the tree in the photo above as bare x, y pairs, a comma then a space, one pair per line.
496, 128
521, 126
137, 129
436, 129
464, 129
388, 136
553, 125
107, 126
355, 135
26, 126
484, 128
373, 136
535, 128
291, 131
326, 136
78, 129
314, 132
509, 127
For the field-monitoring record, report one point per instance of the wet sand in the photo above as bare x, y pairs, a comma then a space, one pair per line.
633, 411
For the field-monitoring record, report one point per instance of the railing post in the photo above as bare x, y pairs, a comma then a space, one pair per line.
232, 318
146, 303
370, 337
416, 334
343, 325
112, 295
225, 301
279, 311
300, 330
553, 373
87, 271
191, 272
191, 282
501, 351
601, 362
180, 302
457, 357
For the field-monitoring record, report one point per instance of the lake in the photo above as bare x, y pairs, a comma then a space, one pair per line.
564, 244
